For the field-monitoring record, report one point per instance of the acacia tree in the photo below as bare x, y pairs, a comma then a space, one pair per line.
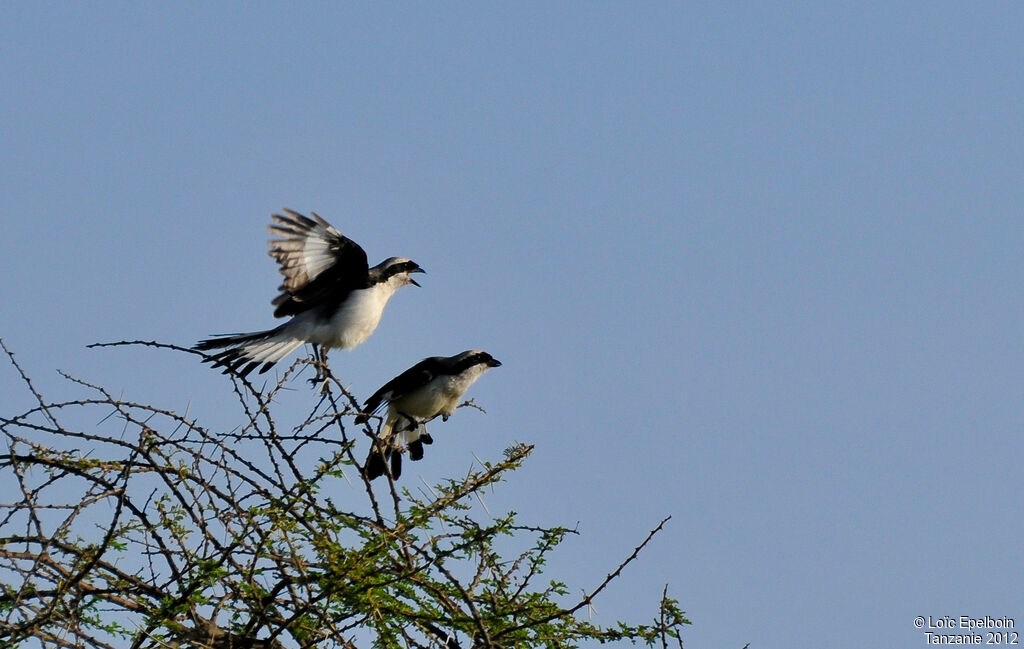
123, 524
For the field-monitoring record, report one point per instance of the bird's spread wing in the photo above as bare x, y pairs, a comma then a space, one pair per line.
318, 262
415, 377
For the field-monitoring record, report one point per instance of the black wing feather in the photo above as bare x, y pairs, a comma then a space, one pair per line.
416, 376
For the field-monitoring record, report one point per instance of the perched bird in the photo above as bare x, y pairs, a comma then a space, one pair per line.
333, 297
428, 389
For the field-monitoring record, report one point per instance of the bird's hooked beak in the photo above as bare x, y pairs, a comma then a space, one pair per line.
416, 270
494, 362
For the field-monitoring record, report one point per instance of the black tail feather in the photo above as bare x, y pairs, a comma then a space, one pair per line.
233, 360
416, 450
375, 465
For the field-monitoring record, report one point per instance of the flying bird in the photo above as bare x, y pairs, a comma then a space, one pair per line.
429, 389
332, 295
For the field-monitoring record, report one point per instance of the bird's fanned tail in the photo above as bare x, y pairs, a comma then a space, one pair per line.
243, 353
378, 460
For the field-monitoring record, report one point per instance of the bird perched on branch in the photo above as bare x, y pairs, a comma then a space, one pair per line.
332, 295
429, 389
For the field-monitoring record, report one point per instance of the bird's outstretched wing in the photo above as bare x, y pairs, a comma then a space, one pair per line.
318, 262
416, 376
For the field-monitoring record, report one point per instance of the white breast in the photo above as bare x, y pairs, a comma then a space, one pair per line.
438, 397
353, 322
358, 316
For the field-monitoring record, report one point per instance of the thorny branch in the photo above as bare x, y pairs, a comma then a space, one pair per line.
124, 524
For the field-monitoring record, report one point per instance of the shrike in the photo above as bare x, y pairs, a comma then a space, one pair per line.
333, 297
429, 389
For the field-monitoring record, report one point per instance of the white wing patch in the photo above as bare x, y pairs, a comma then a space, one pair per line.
305, 252
316, 254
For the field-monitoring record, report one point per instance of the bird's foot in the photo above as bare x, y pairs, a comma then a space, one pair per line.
323, 373
320, 382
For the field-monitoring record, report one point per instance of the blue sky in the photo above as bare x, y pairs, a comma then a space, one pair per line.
754, 266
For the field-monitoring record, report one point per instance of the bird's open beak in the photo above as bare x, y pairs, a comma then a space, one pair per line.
416, 270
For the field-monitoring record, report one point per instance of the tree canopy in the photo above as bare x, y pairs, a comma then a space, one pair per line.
125, 524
